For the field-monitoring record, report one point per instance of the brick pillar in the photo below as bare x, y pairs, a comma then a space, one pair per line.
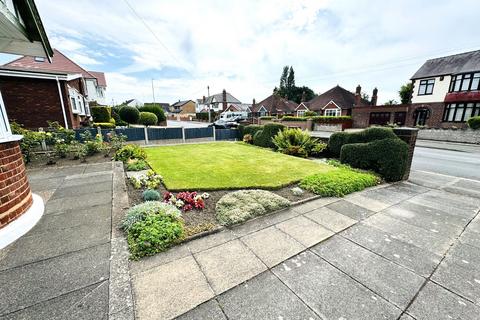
15, 194
409, 135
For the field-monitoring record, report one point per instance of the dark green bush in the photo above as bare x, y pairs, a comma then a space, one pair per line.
155, 109
129, 114
388, 157
291, 118
264, 137
250, 129
104, 125
310, 114
130, 151
148, 118
338, 139
474, 123
101, 114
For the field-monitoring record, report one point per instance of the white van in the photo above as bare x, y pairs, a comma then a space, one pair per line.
232, 116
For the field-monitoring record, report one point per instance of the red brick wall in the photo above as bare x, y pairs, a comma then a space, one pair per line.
33, 102
15, 195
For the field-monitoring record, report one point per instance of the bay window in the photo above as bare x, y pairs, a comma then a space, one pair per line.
461, 112
465, 82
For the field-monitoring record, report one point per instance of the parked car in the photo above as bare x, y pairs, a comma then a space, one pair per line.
222, 124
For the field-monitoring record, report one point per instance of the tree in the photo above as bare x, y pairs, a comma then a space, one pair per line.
290, 79
405, 93
283, 78
288, 89
365, 96
391, 102
297, 92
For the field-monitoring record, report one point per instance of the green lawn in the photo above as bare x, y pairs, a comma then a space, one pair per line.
226, 165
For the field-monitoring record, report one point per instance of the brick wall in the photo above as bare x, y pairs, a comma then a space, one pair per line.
409, 135
33, 102
465, 136
15, 194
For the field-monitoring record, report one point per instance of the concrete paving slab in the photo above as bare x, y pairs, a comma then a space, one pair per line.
331, 293
209, 241
394, 283
371, 204
45, 184
406, 317
330, 219
427, 218
422, 238
474, 224
209, 310
350, 210
471, 238
72, 271
429, 179
385, 244
87, 179
79, 202
387, 195
228, 265
465, 255
170, 290
448, 202
170, 255
305, 231
96, 167
474, 193
82, 190
435, 303
45, 194
58, 308
315, 204
92, 306
263, 222
264, 297
272, 246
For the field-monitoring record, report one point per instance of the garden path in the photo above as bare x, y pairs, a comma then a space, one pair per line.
405, 251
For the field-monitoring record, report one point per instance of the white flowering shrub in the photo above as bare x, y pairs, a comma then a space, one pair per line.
142, 210
242, 205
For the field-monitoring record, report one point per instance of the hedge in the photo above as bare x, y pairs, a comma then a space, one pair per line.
129, 114
204, 115
319, 119
338, 139
155, 109
264, 137
474, 123
388, 157
148, 118
104, 125
101, 114
250, 129
266, 118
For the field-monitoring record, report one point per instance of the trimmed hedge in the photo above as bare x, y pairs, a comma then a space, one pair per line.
204, 115
388, 157
338, 139
101, 114
266, 118
264, 137
474, 123
129, 114
250, 129
147, 118
319, 119
104, 125
155, 109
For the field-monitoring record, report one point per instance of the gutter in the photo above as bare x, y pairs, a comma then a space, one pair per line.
61, 102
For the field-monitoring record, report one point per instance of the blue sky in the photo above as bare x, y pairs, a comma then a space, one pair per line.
243, 45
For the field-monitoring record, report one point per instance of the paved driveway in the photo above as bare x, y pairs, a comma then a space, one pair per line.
405, 251
60, 268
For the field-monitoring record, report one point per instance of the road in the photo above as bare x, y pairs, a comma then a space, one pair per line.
448, 158
186, 124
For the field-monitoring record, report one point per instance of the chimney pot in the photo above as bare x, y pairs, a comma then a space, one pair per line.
224, 100
374, 97
203, 99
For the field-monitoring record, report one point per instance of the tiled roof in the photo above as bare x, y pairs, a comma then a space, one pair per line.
342, 98
60, 63
102, 82
180, 103
454, 64
275, 104
219, 98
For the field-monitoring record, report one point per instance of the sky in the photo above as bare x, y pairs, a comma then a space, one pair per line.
242, 45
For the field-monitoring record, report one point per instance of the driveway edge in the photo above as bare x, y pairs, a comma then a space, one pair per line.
120, 288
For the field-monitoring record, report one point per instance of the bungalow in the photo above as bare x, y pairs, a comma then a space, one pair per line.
36, 91
239, 107
217, 102
273, 105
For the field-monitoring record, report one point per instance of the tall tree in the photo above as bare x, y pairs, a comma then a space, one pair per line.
405, 93
290, 80
288, 88
283, 78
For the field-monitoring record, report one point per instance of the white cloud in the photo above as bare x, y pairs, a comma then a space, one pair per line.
243, 45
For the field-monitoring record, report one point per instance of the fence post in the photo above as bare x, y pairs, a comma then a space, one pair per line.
145, 130
214, 133
183, 134
43, 143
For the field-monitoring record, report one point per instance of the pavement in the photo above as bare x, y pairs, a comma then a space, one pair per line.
410, 250
60, 268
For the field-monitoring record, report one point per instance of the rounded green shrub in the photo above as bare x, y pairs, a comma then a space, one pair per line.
155, 109
474, 123
129, 114
338, 139
264, 137
151, 195
130, 151
104, 125
148, 119
101, 114
242, 205
295, 142
388, 157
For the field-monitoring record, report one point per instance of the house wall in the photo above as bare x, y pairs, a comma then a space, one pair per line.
188, 107
440, 89
32, 102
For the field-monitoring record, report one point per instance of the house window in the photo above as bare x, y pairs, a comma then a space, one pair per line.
332, 112
300, 113
461, 112
426, 87
74, 105
4, 125
465, 82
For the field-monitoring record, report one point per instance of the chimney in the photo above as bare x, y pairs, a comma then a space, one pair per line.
224, 99
203, 100
358, 95
374, 97
303, 96
253, 103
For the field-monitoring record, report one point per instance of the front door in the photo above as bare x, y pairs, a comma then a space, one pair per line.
421, 117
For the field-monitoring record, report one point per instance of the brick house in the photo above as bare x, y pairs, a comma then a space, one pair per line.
186, 107
216, 102
35, 91
274, 105
446, 92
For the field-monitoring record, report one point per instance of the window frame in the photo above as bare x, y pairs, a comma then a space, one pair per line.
460, 107
338, 112
457, 82
425, 83
5, 130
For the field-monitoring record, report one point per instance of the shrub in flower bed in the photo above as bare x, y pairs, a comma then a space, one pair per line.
337, 183
242, 205
136, 165
152, 227
151, 195
130, 151
186, 201
150, 180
